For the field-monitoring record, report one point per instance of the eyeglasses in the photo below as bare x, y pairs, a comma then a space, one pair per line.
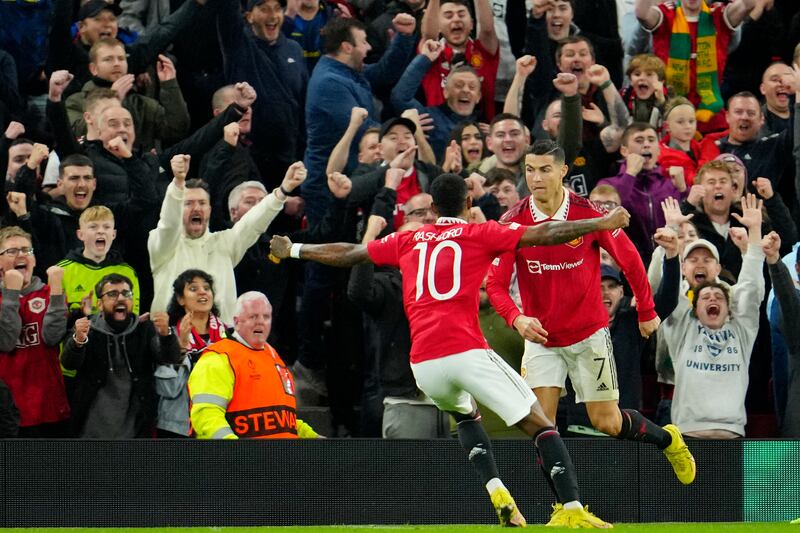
127, 294
14, 252
421, 212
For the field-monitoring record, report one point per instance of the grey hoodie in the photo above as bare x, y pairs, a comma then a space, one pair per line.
113, 412
711, 366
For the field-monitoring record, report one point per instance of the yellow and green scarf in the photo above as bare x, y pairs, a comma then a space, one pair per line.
679, 65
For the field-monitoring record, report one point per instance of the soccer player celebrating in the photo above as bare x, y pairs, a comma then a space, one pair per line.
443, 265
560, 291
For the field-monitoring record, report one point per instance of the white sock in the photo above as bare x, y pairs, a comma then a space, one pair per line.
493, 484
574, 504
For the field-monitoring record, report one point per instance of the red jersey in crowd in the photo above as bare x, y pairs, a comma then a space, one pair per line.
476, 56
443, 266
32, 371
560, 284
662, 35
409, 187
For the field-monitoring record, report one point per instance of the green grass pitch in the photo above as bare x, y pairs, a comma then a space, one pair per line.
760, 527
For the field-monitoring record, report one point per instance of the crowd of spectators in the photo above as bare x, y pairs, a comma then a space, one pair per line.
152, 148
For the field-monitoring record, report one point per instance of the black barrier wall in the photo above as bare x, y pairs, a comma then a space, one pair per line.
237, 483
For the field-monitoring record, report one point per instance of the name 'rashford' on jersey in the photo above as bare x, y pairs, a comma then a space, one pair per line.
443, 267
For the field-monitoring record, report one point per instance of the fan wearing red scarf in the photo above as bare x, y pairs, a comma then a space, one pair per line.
195, 318
691, 37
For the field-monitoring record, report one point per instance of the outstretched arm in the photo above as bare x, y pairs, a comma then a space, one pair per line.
339, 254
524, 67
486, 33
559, 232
429, 27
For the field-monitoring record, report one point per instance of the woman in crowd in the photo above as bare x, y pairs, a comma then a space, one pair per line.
473, 146
195, 318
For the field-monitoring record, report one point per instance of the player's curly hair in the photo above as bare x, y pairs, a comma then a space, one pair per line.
449, 193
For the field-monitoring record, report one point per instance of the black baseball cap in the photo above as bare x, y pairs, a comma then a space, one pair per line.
392, 122
253, 3
609, 272
93, 7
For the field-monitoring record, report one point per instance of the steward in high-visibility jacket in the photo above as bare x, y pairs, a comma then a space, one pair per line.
239, 392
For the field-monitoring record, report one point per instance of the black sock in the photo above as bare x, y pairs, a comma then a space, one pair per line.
557, 465
475, 441
637, 428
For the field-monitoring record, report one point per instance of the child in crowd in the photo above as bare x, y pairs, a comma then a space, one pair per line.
83, 268
681, 150
646, 95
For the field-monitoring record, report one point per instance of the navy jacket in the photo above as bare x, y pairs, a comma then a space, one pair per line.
334, 89
278, 74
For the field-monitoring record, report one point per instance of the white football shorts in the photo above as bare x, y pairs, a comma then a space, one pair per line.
454, 380
589, 364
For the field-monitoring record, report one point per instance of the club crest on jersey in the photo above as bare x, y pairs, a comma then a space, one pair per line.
36, 305
574, 243
476, 61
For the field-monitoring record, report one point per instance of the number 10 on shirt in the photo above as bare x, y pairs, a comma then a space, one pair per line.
429, 264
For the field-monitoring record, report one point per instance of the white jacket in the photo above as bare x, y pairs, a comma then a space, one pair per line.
172, 252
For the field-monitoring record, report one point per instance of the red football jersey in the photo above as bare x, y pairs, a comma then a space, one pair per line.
443, 266
560, 284
484, 63
32, 371
409, 187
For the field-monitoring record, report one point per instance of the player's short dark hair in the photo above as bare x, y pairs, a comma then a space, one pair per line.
634, 128
74, 160
574, 39
506, 116
706, 285
337, 31
449, 193
548, 147
112, 278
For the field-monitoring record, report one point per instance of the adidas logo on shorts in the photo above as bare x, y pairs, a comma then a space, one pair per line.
602, 388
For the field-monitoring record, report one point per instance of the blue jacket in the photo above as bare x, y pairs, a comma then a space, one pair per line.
444, 118
278, 74
334, 89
